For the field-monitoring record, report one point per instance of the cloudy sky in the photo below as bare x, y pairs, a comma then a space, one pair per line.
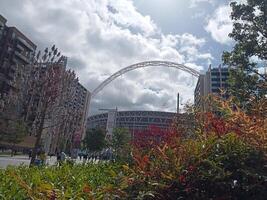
101, 37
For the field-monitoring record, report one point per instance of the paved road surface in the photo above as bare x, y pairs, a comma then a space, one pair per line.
18, 160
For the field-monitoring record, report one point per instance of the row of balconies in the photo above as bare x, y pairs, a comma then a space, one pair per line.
22, 57
26, 44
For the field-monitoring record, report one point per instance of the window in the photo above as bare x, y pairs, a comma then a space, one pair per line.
215, 90
215, 73
225, 85
215, 79
215, 85
225, 74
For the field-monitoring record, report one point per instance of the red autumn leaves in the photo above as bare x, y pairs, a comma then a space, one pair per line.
152, 136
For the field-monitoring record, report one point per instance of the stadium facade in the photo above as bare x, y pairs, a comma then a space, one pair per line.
133, 120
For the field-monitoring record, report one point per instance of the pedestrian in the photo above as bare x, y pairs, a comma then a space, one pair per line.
30, 154
80, 154
58, 158
85, 156
63, 156
50, 155
43, 157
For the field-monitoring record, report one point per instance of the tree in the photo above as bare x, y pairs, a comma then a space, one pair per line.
49, 87
121, 142
41, 101
94, 140
250, 51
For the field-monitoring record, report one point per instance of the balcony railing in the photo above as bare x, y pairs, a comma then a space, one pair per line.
22, 57
24, 42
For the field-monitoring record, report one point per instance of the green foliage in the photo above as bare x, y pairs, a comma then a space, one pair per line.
65, 182
94, 140
231, 170
226, 159
14, 131
121, 143
210, 168
250, 34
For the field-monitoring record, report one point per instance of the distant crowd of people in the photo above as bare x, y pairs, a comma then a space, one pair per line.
62, 157
40, 157
103, 155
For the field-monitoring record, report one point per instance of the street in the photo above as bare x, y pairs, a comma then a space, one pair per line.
18, 160
15, 161
23, 159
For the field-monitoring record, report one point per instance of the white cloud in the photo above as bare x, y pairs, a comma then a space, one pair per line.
102, 36
240, 1
125, 14
220, 25
189, 39
194, 3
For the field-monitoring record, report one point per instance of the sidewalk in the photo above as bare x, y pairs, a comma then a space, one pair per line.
20, 157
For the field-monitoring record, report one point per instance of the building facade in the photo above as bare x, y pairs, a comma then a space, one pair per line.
16, 55
133, 120
81, 101
214, 81
26, 80
68, 114
141, 121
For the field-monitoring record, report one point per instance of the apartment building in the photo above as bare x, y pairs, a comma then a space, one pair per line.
214, 81
68, 115
65, 120
16, 53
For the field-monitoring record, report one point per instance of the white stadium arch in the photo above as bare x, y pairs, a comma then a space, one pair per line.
143, 65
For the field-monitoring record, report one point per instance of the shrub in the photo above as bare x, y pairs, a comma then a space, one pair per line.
64, 182
225, 159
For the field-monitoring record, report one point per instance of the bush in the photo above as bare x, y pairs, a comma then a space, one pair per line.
225, 159
63, 182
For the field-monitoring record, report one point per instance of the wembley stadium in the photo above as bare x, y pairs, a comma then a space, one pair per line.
133, 120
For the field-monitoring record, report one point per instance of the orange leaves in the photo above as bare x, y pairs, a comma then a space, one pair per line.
181, 160
87, 189
145, 159
165, 176
226, 117
162, 150
142, 162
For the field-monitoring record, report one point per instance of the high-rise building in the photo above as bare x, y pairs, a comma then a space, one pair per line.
212, 82
65, 115
79, 102
2, 25
16, 53
16, 57
83, 97
67, 124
